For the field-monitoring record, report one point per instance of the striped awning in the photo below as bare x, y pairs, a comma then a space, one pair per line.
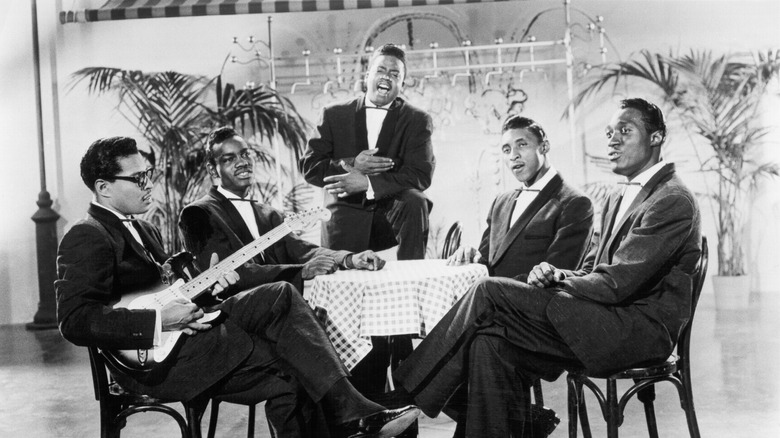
132, 9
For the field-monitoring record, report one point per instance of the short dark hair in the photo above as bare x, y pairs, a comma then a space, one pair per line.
518, 122
652, 116
102, 158
389, 49
216, 137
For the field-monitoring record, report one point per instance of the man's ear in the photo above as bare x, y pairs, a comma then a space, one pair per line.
656, 139
212, 170
102, 188
545, 147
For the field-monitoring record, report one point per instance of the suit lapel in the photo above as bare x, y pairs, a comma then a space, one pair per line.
361, 132
533, 208
499, 224
388, 128
612, 208
110, 220
643, 194
233, 216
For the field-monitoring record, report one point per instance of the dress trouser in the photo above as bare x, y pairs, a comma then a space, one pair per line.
496, 340
293, 363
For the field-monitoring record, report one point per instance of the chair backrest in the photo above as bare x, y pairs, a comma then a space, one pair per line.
452, 241
683, 343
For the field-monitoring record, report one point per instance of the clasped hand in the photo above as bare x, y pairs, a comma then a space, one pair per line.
463, 256
545, 275
183, 315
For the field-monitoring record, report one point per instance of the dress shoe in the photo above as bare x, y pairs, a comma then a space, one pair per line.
383, 424
543, 422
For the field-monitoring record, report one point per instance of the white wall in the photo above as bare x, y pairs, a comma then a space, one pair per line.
199, 45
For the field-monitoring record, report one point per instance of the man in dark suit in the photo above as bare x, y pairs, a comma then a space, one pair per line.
545, 220
373, 156
226, 219
625, 306
269, 347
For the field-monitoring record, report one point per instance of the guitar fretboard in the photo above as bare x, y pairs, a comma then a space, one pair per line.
206, 279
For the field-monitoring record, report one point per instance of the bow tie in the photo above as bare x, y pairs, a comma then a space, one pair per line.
377, 108
241, 199
523, 189
129, 219
630, 183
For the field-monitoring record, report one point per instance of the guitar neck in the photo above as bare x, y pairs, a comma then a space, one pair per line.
206, 279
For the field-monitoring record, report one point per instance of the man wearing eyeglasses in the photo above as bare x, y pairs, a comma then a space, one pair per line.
227, 218
269, 347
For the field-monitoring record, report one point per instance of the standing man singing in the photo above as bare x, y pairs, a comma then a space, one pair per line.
626, 305
374, 158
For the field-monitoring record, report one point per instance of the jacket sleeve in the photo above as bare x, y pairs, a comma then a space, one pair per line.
84, 289
415, 167
319, 161
656, 234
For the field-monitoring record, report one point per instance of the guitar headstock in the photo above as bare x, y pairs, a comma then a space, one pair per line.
305, 219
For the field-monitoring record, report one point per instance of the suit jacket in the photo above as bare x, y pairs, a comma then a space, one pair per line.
556, 227
213, 225
405, 137
633, 295
97, 262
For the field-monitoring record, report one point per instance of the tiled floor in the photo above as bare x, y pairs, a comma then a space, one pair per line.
47, 389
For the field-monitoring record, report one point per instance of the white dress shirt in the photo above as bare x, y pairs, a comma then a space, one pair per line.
632, 189
374, 120
244, 209
528, 194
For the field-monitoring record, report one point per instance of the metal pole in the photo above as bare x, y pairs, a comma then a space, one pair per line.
575, 149
45, 218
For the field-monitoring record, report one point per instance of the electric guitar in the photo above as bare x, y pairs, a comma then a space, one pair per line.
146, 359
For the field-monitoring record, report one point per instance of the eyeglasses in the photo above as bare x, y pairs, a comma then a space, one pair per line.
140, 178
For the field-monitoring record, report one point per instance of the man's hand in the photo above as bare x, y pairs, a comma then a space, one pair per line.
181, 314
368, 164
318, 266
228, 278
463, 256
368, 260
346, 184
545, 275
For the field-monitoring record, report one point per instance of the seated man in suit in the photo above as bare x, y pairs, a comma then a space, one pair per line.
374, 158
225, 220
545, 220
269, 347
624, 306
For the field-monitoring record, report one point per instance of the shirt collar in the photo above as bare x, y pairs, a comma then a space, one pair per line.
543, 181
645, 176
369, 104
116, 213
227, 194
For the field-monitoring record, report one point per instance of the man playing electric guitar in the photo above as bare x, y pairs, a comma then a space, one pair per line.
269, 346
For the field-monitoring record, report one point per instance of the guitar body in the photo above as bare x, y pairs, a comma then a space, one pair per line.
155, 299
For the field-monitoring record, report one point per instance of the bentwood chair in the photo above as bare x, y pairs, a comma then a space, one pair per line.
676, 369
194, 416
116, 403
452, 241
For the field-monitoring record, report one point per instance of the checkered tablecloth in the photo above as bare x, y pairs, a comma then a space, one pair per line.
406, 297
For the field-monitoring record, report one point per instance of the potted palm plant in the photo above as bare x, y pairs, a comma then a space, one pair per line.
170, 111
717, 99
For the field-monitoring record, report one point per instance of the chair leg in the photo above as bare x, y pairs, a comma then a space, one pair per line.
573, 402
538, 395
250, 429
583, 412
686, 400
614, 416
647, 397
213, 419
